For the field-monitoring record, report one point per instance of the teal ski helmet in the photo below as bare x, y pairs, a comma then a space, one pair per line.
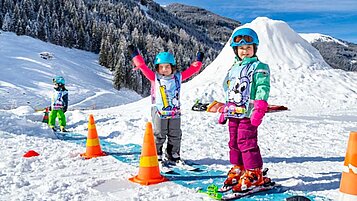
244, 36
165, 58
59, 80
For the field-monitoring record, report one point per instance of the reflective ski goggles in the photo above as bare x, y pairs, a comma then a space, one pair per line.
242, 40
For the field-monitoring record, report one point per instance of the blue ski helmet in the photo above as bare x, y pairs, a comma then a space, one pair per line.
165, 58
59, 80
244, 36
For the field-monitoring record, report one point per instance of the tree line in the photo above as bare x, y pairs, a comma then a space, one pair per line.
107, 27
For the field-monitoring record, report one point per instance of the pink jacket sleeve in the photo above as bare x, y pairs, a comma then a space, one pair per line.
140, 63
195, 67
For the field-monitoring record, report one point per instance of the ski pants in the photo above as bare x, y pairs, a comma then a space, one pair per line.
61, 118
243, 144
170, 129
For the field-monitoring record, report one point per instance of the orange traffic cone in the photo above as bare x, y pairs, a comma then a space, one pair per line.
93, 145
348, 186
45, 117
149, 171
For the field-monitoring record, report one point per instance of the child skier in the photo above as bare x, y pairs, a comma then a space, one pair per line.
59, 104
247, 87
165, 95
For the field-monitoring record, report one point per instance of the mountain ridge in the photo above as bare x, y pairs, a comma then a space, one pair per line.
332, 50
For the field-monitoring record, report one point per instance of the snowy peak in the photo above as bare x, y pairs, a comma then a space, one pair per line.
317, 37
281, 45
338, 54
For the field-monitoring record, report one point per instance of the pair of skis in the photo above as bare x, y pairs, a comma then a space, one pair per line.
216, 106
223, 193
213, 192
60, 134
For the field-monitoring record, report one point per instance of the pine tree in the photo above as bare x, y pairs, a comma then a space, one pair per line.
7, 24
41, 25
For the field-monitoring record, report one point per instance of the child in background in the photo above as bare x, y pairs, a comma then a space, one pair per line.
59, 104
247, 87
165, 95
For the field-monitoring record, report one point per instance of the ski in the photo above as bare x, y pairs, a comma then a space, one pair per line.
216, 106
165, 168
169, 167
224, 188
60, 135
237, 195
184, 166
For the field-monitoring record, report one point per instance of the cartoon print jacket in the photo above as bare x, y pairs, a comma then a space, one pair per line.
59, 100
167, 105
246, 81
167, 95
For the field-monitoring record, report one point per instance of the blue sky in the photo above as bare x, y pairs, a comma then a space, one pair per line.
334, 18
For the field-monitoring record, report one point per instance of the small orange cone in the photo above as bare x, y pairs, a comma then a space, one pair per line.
149, 171
348, 186
45, 117
93, 145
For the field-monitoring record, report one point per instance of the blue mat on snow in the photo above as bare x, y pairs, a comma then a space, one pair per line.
130, 153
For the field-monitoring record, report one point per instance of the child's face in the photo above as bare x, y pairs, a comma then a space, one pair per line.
164, 69
245, 51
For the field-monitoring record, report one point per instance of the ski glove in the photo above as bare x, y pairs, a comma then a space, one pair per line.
260, 107
133, 51
222, 118
200, 56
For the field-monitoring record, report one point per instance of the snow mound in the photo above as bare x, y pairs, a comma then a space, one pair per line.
300, 78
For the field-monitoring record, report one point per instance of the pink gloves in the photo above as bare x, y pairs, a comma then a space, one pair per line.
260, 107
222, 119
138, 61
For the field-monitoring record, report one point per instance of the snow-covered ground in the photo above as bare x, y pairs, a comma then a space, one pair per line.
304, 147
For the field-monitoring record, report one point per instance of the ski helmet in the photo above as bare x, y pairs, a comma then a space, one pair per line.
165, 58
59, 80
244, 36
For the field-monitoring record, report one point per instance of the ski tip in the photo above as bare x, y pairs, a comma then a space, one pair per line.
297, 198
170, 173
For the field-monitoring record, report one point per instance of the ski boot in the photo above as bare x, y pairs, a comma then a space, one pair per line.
251, 179
53, 128
233, 177
162, 163
63, 129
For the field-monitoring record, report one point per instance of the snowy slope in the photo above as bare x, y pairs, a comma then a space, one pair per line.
27, 76
304, 147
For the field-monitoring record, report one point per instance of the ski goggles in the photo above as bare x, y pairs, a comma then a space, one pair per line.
242, 40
